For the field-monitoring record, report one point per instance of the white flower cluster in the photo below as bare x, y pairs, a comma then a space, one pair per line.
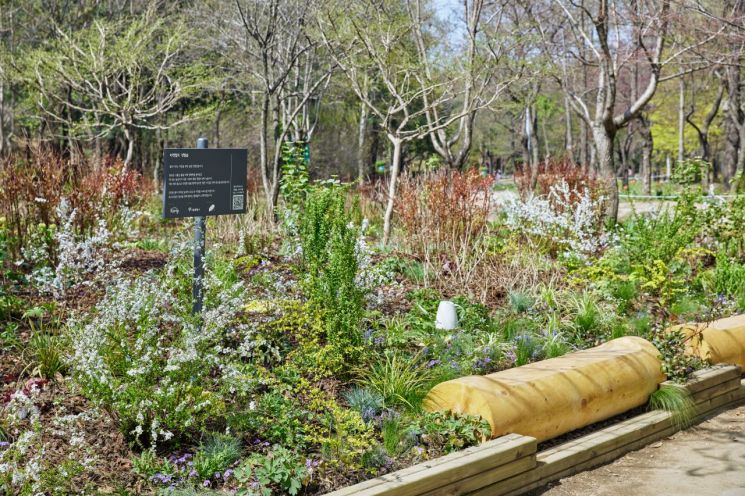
141, 351
573, 225
77, 258
23, 464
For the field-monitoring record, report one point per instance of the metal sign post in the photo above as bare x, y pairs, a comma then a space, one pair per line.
199, 182
200, 226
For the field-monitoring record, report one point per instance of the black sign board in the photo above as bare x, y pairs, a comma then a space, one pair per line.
204, 181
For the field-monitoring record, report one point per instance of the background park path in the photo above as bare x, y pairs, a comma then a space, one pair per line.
705, 460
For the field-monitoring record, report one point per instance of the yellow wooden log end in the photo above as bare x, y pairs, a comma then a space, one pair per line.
721, 341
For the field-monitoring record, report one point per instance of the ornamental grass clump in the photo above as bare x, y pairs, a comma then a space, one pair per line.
674, 399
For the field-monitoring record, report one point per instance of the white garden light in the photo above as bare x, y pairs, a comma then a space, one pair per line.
447, 316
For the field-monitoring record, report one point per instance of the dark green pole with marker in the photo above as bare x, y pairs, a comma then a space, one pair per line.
200, 226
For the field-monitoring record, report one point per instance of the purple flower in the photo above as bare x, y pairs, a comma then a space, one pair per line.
511, 356
228, 474
217, 475
192, 473
3, 444
162, 478
206, 483
432, 363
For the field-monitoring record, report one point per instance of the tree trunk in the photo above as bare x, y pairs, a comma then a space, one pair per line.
603, 141
264, 152
668, 167
568, 144
735, 123
129, 135
530, 146
741, 159
681, 120
2, 118
218, 116
395, 166
361, 144
584, 159
545, 139
646, 162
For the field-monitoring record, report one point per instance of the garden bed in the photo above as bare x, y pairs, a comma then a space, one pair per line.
507, 466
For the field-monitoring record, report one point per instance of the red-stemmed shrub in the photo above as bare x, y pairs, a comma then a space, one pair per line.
552, 173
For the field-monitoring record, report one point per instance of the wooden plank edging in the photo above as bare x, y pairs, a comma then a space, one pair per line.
493, 460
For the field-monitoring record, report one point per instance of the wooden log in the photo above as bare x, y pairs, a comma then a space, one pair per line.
721, 341
548, 398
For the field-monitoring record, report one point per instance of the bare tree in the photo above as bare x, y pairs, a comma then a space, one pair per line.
380, 38
110, 76
601, 30
268, 51
703, 129
475, 62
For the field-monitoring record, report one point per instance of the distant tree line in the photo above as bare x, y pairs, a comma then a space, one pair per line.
615, 86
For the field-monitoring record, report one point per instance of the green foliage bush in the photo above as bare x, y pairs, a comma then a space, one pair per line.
450, 432
729, 278
676, 364
330, 263
399, 379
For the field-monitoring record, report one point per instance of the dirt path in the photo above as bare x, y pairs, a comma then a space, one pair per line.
706, 460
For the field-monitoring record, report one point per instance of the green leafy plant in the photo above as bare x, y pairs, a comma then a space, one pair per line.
45, 354
148, 463
394, 436
331, 265
366, 402
216, 454
520, 302
141, 353
729, 278
676, 363
280, 469
450, 432
295, 181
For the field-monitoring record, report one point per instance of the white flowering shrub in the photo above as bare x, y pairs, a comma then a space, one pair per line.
143, 355
570, 221
78, 257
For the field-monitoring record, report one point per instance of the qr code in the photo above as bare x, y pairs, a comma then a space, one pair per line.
237, 202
